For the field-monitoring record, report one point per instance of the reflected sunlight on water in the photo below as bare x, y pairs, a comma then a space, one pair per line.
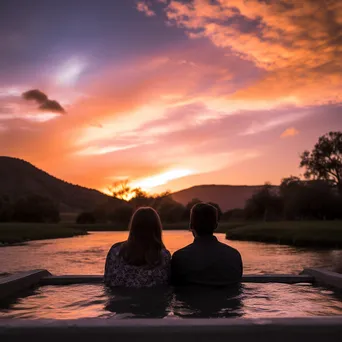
86, 254
250, 301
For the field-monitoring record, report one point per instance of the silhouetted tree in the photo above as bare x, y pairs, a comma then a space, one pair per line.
192, 203
264, 204
86, 218
325, 160
157, 199
121, 214
135, 196
315, 199
170, 210
233, 214
189, 206
6, 209
35, 208
120, 189
101, 211
293, 194
140, 199
219, 211
322, 199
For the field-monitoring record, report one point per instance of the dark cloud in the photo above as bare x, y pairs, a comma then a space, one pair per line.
53, 106
36, 95
45, 103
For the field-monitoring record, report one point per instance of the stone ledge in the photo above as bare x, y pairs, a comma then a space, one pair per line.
325, 277
312, 329
71, 279
277, 278
10, 285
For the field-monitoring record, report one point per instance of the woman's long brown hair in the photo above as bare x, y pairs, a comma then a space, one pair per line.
144, 243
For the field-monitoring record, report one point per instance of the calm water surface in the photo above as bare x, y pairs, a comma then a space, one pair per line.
249, 301
86, 255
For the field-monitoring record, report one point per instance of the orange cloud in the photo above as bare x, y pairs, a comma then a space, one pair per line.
258, 127
142, 6
151, 115
160, 179
169, 111
296, 43
290, 132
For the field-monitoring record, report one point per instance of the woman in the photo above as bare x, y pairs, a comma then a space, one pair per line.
142, 260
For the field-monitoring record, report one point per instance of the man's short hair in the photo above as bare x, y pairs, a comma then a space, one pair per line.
203, 218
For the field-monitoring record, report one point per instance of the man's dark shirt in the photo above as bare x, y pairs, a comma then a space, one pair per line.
206, 262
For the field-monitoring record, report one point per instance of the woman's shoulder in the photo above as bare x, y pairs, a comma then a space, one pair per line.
165, 253
116, 247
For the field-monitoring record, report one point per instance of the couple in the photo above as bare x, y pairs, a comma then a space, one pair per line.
143, 261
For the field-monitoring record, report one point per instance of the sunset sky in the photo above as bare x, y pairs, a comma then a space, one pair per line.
166, 93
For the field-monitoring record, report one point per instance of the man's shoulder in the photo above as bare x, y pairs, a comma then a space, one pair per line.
183, 251
229, 249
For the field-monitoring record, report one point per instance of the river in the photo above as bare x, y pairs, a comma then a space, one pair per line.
86, 255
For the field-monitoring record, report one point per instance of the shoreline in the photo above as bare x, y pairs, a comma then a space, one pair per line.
18, 234
318, 234
113, 227
25, 242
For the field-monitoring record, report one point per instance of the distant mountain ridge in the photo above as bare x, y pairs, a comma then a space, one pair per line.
19, 178
226, 196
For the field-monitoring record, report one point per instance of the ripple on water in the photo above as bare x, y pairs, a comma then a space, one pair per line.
249, 300
87, 254
67, 256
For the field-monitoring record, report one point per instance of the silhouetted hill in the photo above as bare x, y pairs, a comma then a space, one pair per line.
226, 196
19, 178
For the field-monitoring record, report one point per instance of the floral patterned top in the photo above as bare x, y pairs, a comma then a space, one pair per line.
119, 273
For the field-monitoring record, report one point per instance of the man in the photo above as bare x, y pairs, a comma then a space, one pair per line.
206, 261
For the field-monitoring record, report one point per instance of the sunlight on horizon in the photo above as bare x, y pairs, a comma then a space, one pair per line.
222, 97
160, 179
148, 183
108, 191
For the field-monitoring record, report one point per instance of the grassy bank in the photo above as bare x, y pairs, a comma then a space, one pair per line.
306, 234
315, 233
12, 233
223, 227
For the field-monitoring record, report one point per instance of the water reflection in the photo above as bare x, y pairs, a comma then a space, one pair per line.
140, 303
86, 254
199, 302
248, 300
281, 300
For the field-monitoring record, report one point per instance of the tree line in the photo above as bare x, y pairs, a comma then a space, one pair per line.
29, 208
295, 199
318, 196
170, 211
